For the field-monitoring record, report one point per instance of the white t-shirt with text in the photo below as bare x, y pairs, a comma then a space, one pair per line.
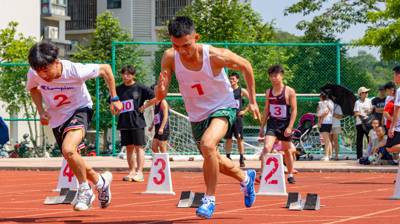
362, 107
64, 95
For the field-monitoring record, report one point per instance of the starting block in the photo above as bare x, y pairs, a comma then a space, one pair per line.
272, 177
312, 202
292, 198
396, 194
160, 176
67, 196
67, 178
190, 200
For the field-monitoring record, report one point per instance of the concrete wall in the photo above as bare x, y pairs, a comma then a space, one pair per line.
25, 12
124, 14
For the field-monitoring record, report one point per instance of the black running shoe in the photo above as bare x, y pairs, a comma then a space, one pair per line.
242, 163
291, 180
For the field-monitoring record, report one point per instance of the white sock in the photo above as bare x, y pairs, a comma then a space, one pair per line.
84, 185
289, 175
211, 198
100, 183
246, 179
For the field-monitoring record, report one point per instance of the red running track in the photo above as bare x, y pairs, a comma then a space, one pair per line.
348, 198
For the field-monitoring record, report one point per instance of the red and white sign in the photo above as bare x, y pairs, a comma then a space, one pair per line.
160, 176
67, 178
127, 105
273, 177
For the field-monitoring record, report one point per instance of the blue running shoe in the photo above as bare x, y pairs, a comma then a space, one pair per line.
206, 209
249, 193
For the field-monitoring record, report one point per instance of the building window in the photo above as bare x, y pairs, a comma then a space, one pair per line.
167, 9
113, 4
83, 14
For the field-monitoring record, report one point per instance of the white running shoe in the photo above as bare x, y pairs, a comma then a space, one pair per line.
84, 199
104, 193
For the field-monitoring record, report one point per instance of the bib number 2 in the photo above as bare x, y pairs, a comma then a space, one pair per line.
63, 99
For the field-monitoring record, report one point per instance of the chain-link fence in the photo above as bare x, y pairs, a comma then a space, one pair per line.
308, 67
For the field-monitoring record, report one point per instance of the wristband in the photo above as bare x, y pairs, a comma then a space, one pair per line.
114, 99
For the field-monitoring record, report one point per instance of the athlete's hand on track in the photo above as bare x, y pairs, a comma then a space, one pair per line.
288, 132
44, 118
161, 86
255, 111
116, 107
391, 132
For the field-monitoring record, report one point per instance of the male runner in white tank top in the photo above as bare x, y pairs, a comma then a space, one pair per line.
209, 101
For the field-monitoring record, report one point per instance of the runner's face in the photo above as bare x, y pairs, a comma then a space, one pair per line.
275, 78
233, 80
127, 77
185, 45
396, 78
50, 72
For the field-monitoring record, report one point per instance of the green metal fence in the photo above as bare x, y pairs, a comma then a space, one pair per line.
308, 66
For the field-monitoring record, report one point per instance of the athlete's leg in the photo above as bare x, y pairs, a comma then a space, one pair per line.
130, 157
268, 143
154, 145
395, 148
228, 146
327, 142
72, 139
213, 161
163, 146
139, 157
91, 174
287, 149
240, 145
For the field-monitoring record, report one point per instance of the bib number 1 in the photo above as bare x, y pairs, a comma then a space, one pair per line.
199, 89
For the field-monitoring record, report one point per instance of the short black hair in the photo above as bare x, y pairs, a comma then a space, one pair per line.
380, 126
130, 69
234, 74
397, 69
390, 85
42, 54
152, 87
375, 119
181, 26
276, 69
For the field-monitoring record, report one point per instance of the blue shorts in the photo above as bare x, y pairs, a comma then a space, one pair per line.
385, 153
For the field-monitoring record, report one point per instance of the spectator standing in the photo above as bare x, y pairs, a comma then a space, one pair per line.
362, 108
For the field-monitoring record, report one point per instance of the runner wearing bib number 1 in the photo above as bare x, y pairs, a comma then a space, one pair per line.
278, 102
209, 102
69, 113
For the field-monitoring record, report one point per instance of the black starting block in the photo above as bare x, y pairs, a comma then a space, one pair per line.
67, 196
189, 199
292, 197
312, 202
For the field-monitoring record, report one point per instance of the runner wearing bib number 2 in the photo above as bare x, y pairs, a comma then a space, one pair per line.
69, 113
209, 102
278, 102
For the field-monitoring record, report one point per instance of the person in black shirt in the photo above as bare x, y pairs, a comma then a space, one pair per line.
378, 104
237, 127
131, 121
161, 124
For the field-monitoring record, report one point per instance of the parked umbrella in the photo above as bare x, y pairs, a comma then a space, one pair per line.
343, 97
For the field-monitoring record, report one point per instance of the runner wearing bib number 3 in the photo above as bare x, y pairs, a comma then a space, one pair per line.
69, 113
278, 102
209, 101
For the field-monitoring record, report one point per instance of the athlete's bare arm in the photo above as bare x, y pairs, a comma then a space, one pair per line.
37, 99
106, 72
220, 58
148, 104
265, 115
164, 107
244, 94
167, 67
293, 105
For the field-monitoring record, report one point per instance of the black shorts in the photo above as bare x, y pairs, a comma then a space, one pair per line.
133, 137
393, 141
80, 120
163, 137
277, 128
325, 128
237, 129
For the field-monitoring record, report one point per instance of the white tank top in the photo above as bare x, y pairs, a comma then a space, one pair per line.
202, 92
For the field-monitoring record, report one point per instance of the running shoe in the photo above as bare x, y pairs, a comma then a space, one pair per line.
325, 158
104, 193
138, 177
258, 179
206, 209
84, 199
242, 163
294, 171
291, 180
129, 177
248, 189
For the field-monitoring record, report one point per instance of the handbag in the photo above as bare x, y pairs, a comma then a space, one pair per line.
366, 122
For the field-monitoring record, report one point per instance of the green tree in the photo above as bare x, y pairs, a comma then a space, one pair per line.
14, 48
334, 19
100, 51
384, 32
